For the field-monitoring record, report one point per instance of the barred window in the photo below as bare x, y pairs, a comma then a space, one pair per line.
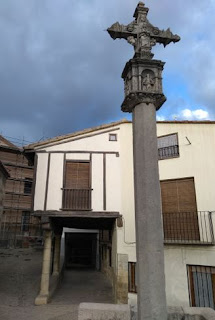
25, 221
168, 146
28, 185
202, 286
132, 277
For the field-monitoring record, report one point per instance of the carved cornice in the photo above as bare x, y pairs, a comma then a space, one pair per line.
136, 62
135, 98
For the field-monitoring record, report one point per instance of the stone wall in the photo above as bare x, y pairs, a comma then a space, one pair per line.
121, 285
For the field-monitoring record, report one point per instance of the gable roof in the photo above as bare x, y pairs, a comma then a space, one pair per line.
65, 137
7, 144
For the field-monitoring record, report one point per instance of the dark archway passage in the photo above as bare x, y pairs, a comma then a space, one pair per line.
80, 250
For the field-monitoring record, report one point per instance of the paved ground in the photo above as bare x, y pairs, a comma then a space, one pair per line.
19, 284
83, 286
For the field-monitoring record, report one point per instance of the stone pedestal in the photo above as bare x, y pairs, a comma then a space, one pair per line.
43, 296
56, 264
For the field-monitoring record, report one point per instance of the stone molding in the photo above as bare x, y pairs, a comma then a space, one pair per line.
135, 98
135, 62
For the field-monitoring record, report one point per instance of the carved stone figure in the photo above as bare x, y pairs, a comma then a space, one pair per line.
141, 33
148, 81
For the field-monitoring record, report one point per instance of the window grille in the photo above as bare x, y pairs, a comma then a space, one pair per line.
168, 146
28, 185
132, 277
25, 221
202, 286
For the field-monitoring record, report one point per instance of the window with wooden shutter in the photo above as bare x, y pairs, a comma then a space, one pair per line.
77, 192
179, 209
168, 146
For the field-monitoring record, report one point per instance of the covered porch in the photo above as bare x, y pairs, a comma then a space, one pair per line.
78, 245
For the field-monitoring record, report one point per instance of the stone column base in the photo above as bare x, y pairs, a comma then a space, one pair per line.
41, 299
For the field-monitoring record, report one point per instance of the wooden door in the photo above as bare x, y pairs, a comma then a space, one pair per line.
179, 209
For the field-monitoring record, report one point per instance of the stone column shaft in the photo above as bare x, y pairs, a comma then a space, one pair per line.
149, 229
43, 296
56, 265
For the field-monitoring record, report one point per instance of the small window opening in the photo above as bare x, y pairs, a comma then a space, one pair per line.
28, 185
112, 137
25, 221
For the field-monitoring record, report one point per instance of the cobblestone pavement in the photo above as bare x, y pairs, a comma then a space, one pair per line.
20, 271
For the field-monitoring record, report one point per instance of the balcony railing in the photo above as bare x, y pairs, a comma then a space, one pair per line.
189, 227
76, 199
168, 152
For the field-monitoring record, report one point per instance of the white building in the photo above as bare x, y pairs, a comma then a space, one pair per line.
85, 180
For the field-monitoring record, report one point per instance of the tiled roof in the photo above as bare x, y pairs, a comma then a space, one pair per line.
75, 134
7, 144
101, 127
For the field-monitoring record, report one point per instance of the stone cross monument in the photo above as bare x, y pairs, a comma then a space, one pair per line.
143, 96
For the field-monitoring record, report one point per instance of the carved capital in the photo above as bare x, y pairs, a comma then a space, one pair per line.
142, 83
135, 98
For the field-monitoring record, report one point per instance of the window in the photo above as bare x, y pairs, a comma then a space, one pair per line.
112, 137
77, 191
25, 221
132, 277
180, 218
28, 185
168, 146
202, 286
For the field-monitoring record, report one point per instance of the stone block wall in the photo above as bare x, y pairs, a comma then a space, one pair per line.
121, 283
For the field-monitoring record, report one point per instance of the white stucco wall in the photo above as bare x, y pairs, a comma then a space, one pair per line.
40, 186
55, 182
196, 160
96, 145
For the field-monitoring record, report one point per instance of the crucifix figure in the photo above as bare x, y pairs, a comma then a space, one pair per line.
141, 33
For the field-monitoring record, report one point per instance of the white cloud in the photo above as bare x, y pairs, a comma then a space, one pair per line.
187, 114
160, 118
201, 114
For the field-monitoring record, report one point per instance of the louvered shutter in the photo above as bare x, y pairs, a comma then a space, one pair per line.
77, 175
77, 193
179, 209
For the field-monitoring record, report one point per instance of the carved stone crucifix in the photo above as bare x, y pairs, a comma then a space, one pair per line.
143, 96
142, 34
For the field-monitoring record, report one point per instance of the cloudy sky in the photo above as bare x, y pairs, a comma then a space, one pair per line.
61, 72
